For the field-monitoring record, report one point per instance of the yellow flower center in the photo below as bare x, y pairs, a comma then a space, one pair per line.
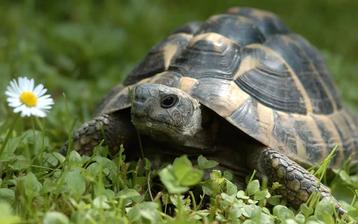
28, 98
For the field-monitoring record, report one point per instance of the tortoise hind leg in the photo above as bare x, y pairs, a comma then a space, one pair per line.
297, 183
111, 129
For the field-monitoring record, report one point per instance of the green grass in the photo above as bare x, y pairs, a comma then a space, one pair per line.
79, 50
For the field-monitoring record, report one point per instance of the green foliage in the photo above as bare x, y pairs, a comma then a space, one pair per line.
55, 218
79, 50
178, 177
203, 163
82, 189
7, 215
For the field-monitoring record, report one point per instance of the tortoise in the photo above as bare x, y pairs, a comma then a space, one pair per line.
240, 88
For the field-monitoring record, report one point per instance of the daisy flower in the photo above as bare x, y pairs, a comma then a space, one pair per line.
26, 98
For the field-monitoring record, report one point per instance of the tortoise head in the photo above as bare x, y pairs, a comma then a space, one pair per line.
168, 114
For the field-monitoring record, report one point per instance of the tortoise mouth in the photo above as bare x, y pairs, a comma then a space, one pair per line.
159, 124
169, 135
142, 119
153, 127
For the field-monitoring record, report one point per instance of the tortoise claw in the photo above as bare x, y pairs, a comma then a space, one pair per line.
88, 135
112, 130
340, 210
297, 184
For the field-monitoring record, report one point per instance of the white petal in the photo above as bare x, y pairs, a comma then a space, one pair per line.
31, 85
39, 90
11, 94
47, 96
15, 84
12, 99
22, 83
27, 112
44, 107
23, 113
47, 101
15, 103
44, 90
13, 87
20, 108
37, 112
25, 82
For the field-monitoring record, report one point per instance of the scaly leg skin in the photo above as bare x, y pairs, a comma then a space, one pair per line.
297, 183
110, 129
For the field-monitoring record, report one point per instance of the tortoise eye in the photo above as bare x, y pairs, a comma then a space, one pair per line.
169, 101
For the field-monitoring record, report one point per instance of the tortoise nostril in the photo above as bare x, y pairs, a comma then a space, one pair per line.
168, 101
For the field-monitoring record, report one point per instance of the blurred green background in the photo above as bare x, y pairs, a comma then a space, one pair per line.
80, 49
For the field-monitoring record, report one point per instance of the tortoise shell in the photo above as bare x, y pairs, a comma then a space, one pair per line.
250, 69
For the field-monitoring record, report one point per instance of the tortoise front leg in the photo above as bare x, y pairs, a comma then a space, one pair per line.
112, 130
297, 183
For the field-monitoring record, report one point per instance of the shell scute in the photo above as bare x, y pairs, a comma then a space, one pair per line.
284, 133
271, 82
230, 26
322, 98
267, 22
159, 57
208, 55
